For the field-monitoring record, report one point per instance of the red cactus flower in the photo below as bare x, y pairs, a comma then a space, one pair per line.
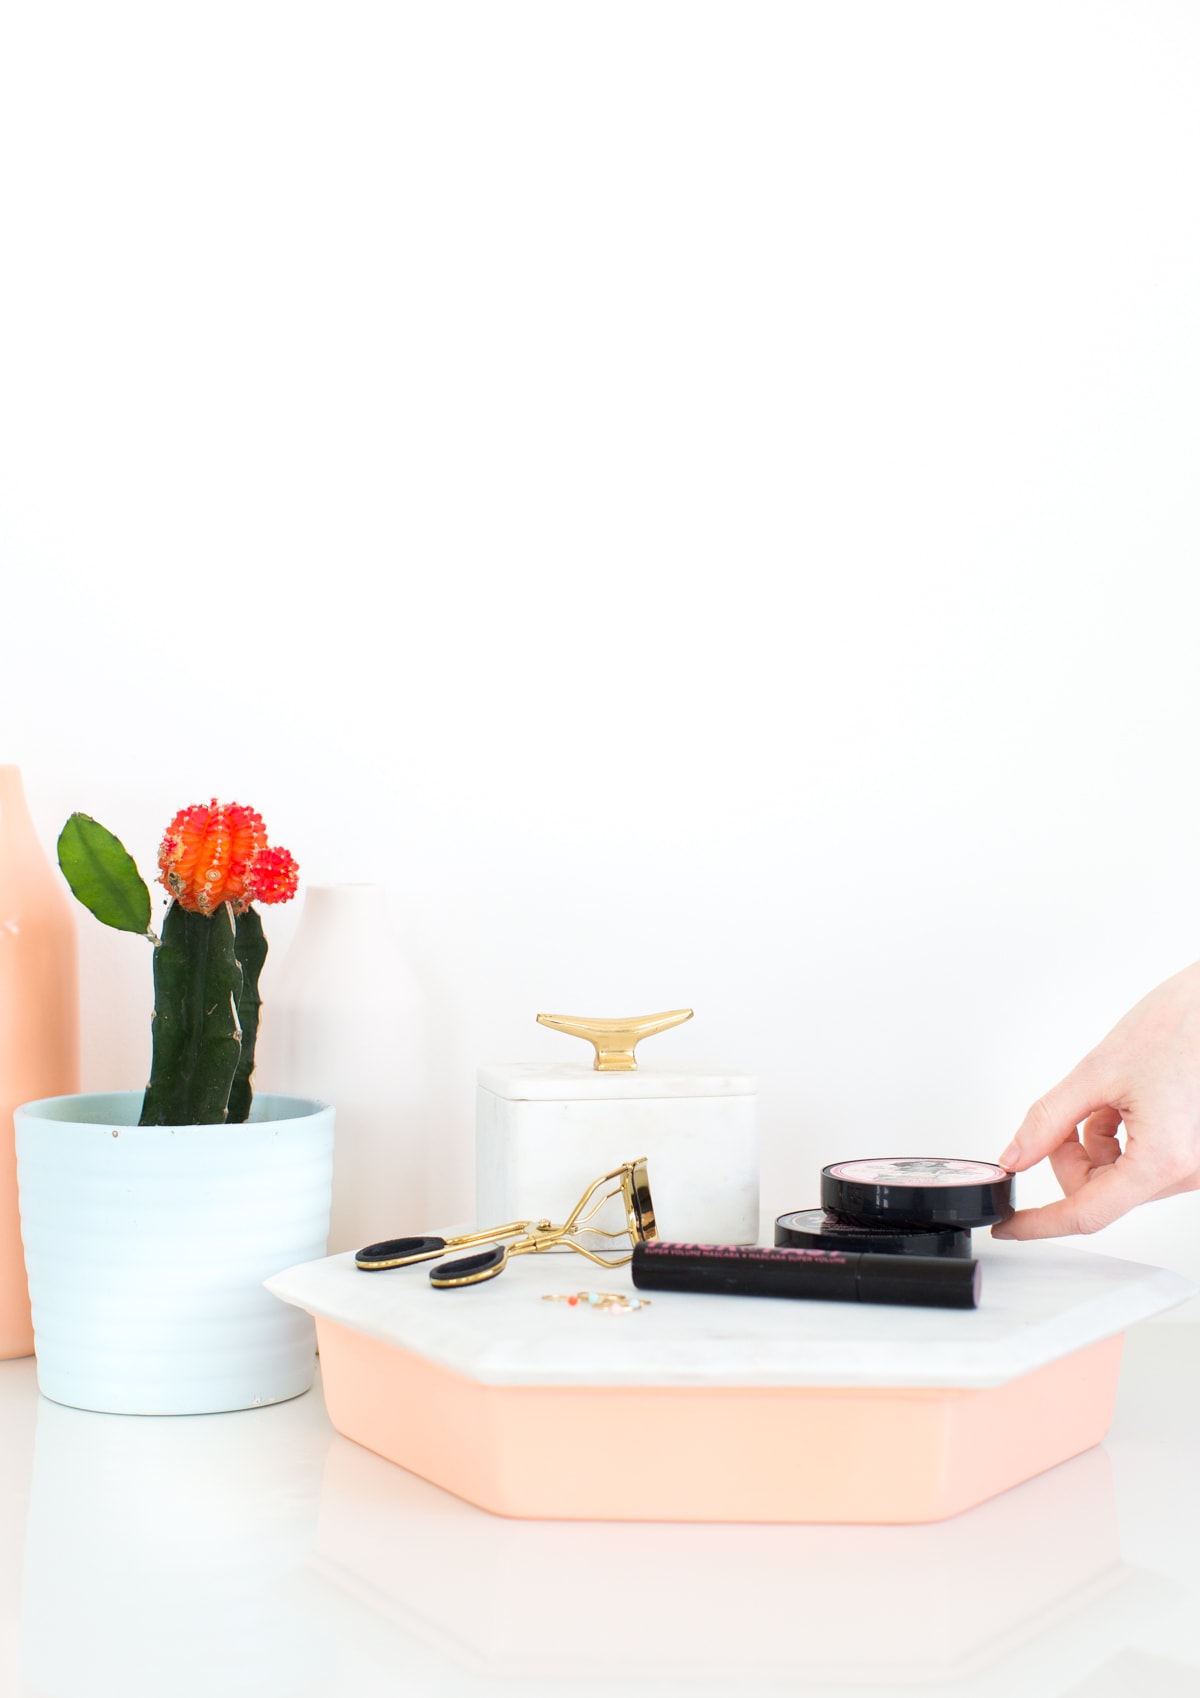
274, 876
207, 852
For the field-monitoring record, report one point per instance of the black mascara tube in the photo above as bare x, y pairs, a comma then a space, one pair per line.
830, 1276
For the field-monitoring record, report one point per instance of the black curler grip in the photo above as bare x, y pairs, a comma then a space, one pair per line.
397, 1253
470, 1270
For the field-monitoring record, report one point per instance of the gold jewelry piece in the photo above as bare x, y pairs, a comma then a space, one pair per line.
615, 1040
611, 1302
632, 1185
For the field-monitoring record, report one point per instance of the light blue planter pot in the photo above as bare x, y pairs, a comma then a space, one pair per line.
147, 1248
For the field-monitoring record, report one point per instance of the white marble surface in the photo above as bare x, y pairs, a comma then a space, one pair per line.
1039, 1303
260, 1553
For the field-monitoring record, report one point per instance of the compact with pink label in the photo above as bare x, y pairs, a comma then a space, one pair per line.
917, 1191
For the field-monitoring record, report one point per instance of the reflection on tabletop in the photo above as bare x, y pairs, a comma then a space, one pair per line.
154, 1551
262, 1553
686, 1607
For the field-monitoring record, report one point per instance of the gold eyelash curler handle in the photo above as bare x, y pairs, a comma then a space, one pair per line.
634, 1187
528, 1236
474, 1270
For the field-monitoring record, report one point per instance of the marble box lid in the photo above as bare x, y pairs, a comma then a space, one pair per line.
1039, 1302
535, 1081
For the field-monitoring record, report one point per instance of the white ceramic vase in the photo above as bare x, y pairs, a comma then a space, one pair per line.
147, 1248
346, 1021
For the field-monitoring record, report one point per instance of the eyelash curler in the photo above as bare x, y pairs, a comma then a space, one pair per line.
524, 1236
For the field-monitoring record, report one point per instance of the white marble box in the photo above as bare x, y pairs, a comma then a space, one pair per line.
543, 1133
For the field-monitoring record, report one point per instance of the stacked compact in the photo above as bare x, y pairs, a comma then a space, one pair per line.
901, 1206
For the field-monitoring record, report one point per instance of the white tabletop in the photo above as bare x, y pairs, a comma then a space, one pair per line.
261, 1554
1039, 1303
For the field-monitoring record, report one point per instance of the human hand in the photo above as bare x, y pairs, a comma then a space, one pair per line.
1145, 1075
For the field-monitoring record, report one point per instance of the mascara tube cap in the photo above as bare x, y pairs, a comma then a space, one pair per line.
931, 1282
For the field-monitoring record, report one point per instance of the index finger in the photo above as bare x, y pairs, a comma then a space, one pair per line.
1107, 1194
1054, 1117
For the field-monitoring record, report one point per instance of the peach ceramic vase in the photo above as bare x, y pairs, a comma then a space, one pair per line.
39, 1022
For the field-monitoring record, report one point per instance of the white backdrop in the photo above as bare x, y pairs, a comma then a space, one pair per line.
699, 499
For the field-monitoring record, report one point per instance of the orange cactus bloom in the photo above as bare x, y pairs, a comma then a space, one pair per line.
211, 854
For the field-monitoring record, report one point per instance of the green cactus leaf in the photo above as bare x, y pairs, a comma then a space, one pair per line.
250, 946
197, 985
102, 874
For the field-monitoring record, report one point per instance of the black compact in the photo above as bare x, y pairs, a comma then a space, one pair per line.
929, 1193
814, 1229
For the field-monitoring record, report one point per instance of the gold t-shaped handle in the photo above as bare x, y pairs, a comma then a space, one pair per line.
615, 1040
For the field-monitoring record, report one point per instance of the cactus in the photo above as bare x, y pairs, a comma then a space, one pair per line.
197, 984
215, 862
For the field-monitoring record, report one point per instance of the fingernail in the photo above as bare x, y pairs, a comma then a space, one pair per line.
1011, 1156
999, 1232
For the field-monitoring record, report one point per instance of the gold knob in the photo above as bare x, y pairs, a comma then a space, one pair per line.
615, 1040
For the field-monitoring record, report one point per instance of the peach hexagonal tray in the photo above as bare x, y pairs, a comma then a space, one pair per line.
724, 1408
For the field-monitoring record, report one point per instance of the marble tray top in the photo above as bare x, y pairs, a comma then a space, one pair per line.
1039, 1302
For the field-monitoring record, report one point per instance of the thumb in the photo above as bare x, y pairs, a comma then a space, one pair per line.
1054, 1117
